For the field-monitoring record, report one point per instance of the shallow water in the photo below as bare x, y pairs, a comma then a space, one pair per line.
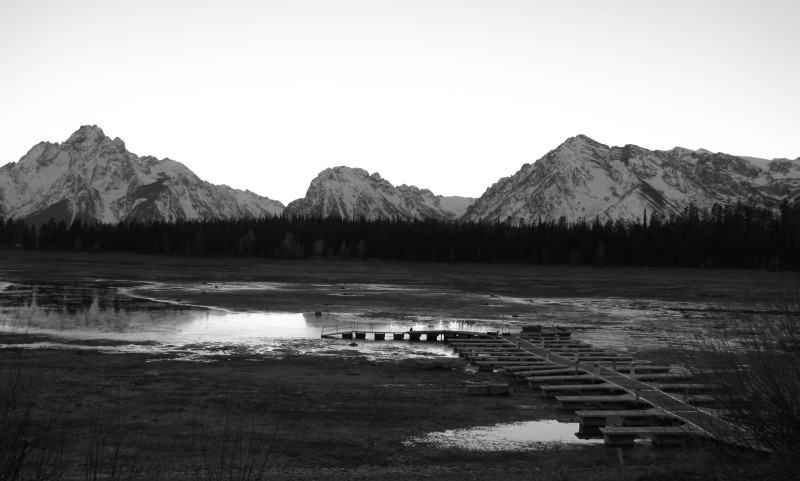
115, 319
107, 319
524, 436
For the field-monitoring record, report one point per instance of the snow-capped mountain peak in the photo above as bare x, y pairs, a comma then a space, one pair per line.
352, 193
93, 177
584, 179
86, 136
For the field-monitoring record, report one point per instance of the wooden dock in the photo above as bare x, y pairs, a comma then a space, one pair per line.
639, 393
658, 402
357, 330
695, 421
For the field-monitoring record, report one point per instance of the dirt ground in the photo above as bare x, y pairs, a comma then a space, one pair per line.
324, 416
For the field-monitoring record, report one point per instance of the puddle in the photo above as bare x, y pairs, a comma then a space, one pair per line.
523, 436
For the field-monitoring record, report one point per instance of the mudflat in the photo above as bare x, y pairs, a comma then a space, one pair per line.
332, 414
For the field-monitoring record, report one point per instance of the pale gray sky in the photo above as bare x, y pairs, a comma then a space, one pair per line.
449, 95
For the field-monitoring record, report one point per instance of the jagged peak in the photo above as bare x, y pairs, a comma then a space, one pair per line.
86, 134
581, 139
414, 189
682, 150
345, 174
119, 143
573, 145
344, 170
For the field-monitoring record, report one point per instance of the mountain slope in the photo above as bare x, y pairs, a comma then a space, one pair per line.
93, 177
584, 179
352, 193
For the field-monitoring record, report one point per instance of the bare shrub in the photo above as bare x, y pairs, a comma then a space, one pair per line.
29, 446
751, 361
234, 448
116, 451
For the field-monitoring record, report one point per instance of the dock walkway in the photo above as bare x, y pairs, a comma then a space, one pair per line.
562, 367
698, 421
359, 330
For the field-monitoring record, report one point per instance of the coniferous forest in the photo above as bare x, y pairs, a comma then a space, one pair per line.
729, 236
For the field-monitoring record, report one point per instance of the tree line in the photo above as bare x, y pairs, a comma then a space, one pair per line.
726, 236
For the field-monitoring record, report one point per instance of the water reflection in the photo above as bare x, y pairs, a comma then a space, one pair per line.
613, 322
524, 436
100, 312
92, 317
96, 316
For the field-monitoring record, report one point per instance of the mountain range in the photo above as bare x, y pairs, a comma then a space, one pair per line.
584, 179
95, 178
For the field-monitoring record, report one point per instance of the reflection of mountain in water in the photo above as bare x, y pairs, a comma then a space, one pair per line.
97, 317
77, 308
74, 299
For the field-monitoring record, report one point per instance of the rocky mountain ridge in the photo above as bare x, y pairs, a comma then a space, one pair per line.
584, 179
352, 193
95, 178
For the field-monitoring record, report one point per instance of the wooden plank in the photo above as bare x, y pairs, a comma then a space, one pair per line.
621, 397
571, 402
552, 390
537, 365
503, 359
494, 357
499, 350
498, 357
523, 365
656, 376
644, 369
567, 387
497, 354
490, 355
509, 364
545, 372
476, 342
532, 380
652, 412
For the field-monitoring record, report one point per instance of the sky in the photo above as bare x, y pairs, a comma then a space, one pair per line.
449, 95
